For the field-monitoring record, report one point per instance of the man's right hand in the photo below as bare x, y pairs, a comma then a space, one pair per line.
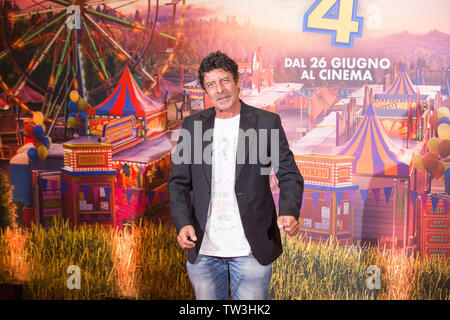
186, 237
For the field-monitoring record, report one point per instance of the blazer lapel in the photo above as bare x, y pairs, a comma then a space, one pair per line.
208, 123
247, 121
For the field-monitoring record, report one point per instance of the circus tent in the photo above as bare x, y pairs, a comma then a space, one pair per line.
376, 154
127, 99
402, 89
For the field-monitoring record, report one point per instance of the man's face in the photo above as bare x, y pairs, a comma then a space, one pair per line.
222, 89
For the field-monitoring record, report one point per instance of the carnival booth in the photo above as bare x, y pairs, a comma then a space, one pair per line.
380, 167
435, 225
89, 173
328, 198
127, 99
114, 178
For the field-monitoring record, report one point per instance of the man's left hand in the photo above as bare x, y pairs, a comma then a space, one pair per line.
288, 224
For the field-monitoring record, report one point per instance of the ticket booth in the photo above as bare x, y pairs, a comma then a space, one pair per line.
328, 206
435, 225
88, 183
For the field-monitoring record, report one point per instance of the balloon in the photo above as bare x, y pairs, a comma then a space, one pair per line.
82, 115
38, 117
438, 172
81, 104
417, 161
433, 145
433, 121
38, 131
46, 142
443, 112
74, 96
73, 106
443, 120
444, 131
447, 176
430, 161
32, 154
29, 127
72, 121
444, 148
42, 152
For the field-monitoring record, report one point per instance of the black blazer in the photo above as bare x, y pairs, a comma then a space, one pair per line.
254, 197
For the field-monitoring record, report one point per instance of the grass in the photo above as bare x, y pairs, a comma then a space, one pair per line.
144, 262
133, 263
326, 271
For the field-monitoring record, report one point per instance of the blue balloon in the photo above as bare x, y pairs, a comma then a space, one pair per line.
73, 106
72, 115
45, 141
444, 120
447, 176
32, 154
82, 115
38, 132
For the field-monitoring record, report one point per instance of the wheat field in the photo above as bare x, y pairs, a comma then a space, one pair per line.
143, 261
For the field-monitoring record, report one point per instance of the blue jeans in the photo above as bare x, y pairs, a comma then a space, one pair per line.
213, 277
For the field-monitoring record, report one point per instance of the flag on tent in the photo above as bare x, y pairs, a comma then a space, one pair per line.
364, 193
376, 194
387, 193
413, 198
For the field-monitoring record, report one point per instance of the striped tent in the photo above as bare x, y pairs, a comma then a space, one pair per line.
401, 90
375, 153
127, 99
402, 85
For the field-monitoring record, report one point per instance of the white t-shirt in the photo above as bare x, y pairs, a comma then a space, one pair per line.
224, 234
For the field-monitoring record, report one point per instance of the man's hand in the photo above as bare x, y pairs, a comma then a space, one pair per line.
288, 224
186, 237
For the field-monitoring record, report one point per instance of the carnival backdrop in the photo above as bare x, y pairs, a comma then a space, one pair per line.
93, 94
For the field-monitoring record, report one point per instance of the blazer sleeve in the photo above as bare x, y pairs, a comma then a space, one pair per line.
180, 182
290, 180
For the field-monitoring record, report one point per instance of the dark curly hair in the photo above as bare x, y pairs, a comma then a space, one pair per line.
217, 60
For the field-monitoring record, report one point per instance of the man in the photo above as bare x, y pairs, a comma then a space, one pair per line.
231, 229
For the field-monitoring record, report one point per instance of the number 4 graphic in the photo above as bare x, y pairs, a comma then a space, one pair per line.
337, 17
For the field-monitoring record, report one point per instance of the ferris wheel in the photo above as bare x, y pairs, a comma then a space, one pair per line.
55, 46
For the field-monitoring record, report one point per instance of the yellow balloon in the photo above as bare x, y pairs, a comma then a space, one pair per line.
38, 118
417, 162
444, 131
74, 96
81, 104
42, 152
72, 122
443, 112
433, 145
